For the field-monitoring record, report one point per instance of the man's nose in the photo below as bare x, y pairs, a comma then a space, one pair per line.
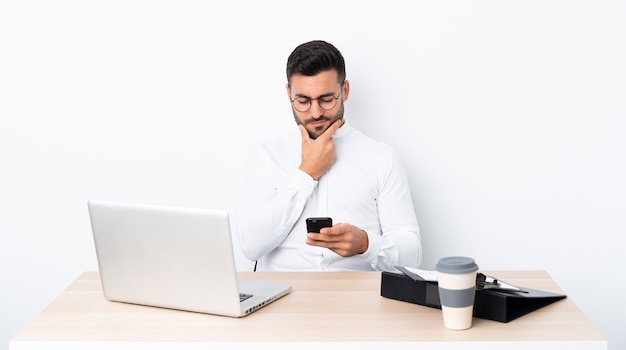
316, 111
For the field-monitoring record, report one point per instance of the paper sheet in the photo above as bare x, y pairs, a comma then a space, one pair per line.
429, 275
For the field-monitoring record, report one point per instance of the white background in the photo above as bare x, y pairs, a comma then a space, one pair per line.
509, 117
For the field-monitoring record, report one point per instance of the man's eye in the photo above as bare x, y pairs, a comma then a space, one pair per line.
327, 99
303, 101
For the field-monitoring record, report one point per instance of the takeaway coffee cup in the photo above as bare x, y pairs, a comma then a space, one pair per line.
456, 277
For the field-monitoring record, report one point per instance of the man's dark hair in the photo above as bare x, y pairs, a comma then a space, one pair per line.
314, 57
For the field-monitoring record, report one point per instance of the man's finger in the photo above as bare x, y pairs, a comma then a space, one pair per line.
332, 129
304, 133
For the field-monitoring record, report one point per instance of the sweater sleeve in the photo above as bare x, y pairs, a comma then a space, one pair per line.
270, 205
400, 242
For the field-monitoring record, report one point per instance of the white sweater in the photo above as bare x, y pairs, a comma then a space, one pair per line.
366, 187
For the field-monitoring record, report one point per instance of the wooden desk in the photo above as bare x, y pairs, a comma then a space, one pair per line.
325, 309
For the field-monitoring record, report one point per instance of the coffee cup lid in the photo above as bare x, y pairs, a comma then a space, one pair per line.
456, 265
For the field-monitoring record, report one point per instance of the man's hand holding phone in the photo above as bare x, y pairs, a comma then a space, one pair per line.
344, 239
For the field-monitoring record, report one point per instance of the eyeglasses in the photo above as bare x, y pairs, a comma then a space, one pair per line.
326, 102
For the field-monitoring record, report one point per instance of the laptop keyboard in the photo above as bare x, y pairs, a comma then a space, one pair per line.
243, 297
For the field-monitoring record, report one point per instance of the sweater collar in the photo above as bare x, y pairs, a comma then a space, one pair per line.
343, 130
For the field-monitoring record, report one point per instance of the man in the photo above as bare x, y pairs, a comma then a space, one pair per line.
326, 168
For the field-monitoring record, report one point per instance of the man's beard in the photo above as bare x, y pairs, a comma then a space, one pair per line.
316, 133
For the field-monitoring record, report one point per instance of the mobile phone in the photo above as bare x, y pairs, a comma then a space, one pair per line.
316, 224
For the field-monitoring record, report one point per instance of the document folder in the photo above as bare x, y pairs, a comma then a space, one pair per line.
489, 304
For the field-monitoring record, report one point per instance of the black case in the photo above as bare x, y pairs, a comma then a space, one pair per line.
488, 304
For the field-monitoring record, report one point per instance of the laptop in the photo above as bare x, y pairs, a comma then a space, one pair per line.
173, 257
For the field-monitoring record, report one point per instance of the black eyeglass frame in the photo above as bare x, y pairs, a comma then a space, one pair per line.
310, 101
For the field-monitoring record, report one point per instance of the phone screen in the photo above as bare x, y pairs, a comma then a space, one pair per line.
316, 224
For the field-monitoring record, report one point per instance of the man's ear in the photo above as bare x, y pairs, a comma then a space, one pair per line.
288, 89
346, 90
